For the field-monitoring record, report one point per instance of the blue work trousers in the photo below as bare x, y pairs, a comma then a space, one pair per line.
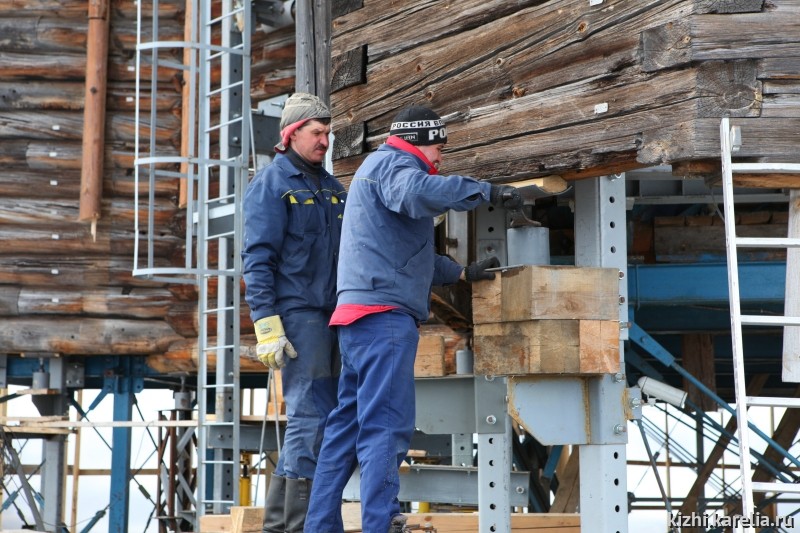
372, 424
309, 390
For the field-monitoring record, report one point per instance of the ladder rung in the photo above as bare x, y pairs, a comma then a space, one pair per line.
216, 501
775, 487
217, 310
766, 168
217, 462
766, 401
764, 320
770, 242
219, 386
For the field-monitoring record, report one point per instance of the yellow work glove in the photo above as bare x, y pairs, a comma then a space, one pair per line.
272, 342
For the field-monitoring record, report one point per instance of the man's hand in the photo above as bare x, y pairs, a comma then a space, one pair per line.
477, 270
505, 196
272, 342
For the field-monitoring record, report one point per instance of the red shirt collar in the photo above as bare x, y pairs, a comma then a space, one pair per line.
406, 146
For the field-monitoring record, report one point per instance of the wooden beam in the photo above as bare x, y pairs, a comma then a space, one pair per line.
568, 493
313, 30
528, 522
86, 336
697, 352
94, 115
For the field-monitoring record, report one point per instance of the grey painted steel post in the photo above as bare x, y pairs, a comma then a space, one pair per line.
494, 454
600, 240
53, 453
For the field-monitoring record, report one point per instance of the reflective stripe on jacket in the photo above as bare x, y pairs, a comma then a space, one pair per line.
387, 252
291, 240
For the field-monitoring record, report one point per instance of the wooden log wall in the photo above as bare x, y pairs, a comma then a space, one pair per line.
532, 88
61, 290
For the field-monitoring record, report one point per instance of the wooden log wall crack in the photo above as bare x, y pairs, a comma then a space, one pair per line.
567, 88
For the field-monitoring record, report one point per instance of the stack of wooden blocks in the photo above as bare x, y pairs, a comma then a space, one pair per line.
547, 320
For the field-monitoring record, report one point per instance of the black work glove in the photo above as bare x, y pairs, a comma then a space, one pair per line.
505, 196
477, 270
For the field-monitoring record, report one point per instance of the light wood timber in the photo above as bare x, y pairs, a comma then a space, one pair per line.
547, 292
578, 347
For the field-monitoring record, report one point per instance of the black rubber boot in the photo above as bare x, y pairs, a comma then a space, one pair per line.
298, 492
398, 524
274, 510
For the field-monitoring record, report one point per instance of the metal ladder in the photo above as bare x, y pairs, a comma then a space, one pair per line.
729, 141
216, 69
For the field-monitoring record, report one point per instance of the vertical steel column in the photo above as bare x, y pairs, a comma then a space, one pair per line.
126, 382
600, 240
494, 454
53, 452
120, 460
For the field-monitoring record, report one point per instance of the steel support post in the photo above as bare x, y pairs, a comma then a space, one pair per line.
601, 240
127, 381
53, 453
494, 454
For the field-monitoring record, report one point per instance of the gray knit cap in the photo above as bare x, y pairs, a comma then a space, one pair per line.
301, 106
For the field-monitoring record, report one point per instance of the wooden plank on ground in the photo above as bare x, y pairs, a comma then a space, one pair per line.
527, 522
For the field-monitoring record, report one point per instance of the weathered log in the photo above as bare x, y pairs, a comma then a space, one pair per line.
73, 237
182, 356
121, 302
349, 68
57, 67
86, 336
76, 9
69, 125
771, 34
53, 213
66, 184
58, 36
349, 141
471, 69
421, 22
343, 7
18, 184
47, 95
75, 271
769, 138
272, 72
627, 92
779, 68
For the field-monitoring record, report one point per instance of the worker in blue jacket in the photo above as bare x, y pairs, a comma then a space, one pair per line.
387, 266
293, 212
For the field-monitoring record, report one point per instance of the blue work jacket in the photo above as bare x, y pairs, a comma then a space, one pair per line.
387, 252
291, 240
